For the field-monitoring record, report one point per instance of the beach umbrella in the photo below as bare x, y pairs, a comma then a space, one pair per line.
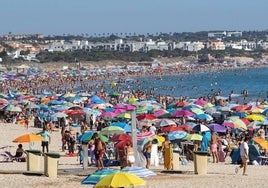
112, 130
119, 137
96, 176
204, 116
87, 136
139, 171
109, 114
181, 113
165, 122
200, 128
124, 115
160, 139
59, 115
172, 128
201, 102
146, 117
240, 124
255, 117
217, 128
160, 112
12, 108
254, 124
210, 110
28, 138
32, 106
75, 112
121, 144
239, 114
262, 142
177, 135
120, 179
197, 111
194, 137
143, 135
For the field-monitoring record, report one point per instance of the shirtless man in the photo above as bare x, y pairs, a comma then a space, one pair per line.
147, 153
99, 151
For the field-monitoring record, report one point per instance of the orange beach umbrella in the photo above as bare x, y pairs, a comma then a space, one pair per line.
28, 138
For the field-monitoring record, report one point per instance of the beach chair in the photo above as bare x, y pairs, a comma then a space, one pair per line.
6, 156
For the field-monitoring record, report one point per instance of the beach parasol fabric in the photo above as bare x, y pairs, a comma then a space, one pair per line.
120, 179
118, 137
143, 135
59, 115
217, 128
146, 117
85, 137
28, 138
181, 113
165, 122
112, 130
177, 135
262, 142
124, 115
96, 176
255, 117
200, 128
139, 171
194, 137
172, 128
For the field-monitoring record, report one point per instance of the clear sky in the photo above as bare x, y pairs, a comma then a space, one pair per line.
129, 16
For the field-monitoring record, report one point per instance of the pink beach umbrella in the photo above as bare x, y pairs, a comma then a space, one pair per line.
200, 102
109, 114
182, 113
144, 135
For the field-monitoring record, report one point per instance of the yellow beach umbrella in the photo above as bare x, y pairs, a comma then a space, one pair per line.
120, 179
255, 117
160, 139
194, 137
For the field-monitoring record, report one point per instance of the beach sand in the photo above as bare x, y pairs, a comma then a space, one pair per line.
71, 173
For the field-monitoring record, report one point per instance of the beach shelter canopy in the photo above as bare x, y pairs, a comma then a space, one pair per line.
112, 130
194, 137
96, 176
28, 138
181, 113
200, 128
120, 179
217, 128
165, 122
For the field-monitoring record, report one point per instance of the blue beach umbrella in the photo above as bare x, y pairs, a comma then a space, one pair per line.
177, 135
96, 176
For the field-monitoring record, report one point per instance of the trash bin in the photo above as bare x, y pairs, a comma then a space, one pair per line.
51, 164
33, 160
176, 160
200, 162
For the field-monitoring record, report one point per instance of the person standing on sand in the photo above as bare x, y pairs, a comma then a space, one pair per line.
147, 153
214, 147
244, 154
47, 139
100, 147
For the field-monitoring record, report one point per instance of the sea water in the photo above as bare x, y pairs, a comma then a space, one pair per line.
194, 85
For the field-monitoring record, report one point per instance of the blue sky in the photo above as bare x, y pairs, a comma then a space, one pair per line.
129, 16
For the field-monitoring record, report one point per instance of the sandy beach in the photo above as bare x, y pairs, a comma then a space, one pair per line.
71, 173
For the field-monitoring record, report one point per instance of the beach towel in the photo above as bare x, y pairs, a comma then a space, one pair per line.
168, 158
